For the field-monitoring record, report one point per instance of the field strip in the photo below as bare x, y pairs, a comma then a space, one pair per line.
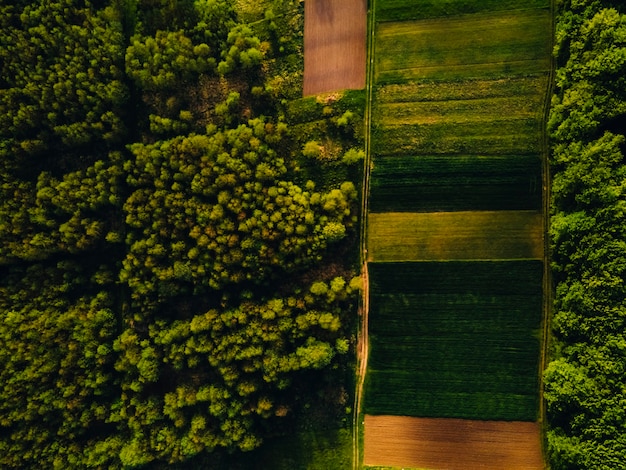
452, 444
483, 40
472, 110
335, 45
415, 236
400, 10
465, 90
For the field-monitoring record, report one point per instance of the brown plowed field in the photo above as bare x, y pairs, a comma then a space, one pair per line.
334, 45
452, 444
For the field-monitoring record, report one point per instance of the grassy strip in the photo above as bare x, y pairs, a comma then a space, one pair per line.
399, 10
495, 137
453, 183
485, 45
455, 339
461, 90
461, 110
408, 236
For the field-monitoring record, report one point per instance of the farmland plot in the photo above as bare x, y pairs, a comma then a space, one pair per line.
334, 45
455, 242
452, 444
400, 10
489, 45
455, 339
428, 183
410, 236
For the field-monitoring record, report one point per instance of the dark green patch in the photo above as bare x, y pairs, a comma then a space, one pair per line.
454, 183
455, 339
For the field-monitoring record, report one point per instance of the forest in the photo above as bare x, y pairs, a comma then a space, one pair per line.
178, 226
585, 382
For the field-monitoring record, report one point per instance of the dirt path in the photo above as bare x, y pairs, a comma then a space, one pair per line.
363, 340
362, 355
452, 444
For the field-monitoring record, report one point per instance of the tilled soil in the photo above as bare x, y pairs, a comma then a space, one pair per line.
334, 45
451, 444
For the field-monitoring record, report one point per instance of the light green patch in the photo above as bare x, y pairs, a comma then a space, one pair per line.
407, 236
472, 46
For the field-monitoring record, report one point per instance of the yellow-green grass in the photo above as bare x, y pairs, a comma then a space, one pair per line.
472, 46
411, 236
461, 110
498, 136
395, 10
433, 183
455, 339
462, 90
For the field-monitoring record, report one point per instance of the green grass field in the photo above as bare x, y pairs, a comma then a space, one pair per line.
399, 10
489, 45
427, 183
455, 339
410, 236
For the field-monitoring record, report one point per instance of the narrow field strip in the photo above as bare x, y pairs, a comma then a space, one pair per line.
335, 45
460, 110
399, 10
496, 137
432, 183
516, 277
408, 236
477, 45
462, 90
463, 72
452, 444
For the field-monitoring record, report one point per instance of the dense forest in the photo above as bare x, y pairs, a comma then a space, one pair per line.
177, 232
585, 383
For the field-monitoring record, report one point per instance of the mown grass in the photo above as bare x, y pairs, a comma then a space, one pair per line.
410, 236
398, 10
455, 339
455, 183
487, 45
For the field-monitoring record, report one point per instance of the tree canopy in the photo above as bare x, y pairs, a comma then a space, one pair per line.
176, 276
584, 383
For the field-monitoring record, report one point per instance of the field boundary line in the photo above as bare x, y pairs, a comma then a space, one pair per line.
548, 298
363, 333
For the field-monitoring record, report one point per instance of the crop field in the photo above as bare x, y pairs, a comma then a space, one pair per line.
469, 117
334, 45
427, 183
455, 234
411, 236
400, 10
497, 136
455, 339
453, 444
488, 45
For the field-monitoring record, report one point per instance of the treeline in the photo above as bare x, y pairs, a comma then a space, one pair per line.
585, 384
169, 281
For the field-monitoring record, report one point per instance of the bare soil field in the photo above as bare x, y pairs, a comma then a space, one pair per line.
451, 444
334, 45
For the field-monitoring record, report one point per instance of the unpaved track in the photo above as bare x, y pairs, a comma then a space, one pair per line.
334, 45
452, 444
